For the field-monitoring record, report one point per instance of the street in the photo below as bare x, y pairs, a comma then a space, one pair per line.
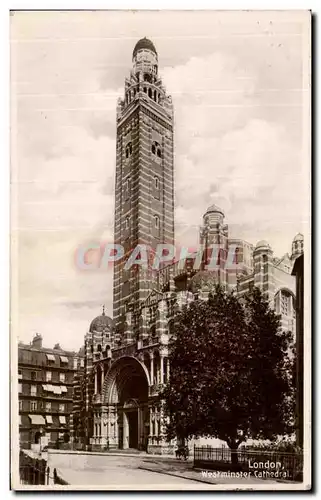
115, 472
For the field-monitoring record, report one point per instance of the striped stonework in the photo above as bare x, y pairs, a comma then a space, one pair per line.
144, 190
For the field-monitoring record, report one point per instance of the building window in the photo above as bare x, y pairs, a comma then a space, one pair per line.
82, 363
20, 405
75, 364
20, 387
33, 405
156, 221
62, 408
20, 420
127, 189
48, 376
129, 150
33, 376
48, 406
156, 149
33, 390
20, 374
62, 377
156, 182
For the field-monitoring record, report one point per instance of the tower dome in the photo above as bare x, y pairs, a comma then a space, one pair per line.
262, 244
298, 237
144, 43
214, 209
101, 323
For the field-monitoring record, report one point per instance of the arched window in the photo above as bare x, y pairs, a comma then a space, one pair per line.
156, 221
155, 96
99, 348
150, 93
156, 182
127, 189
156, 149
145, 90
129, 150
265, 264
98, 375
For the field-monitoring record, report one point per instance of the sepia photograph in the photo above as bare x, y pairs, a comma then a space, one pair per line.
160, 240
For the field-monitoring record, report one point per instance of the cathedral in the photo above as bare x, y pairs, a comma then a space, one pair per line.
126, 358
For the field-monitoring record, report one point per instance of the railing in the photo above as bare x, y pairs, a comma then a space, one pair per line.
33, 471
289, 465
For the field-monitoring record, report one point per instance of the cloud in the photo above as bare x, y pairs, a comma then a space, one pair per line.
226, 154
237, 94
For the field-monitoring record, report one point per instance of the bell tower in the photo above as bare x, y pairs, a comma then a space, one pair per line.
144, 192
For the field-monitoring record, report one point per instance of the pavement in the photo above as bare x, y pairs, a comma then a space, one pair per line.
141, 472
117, 472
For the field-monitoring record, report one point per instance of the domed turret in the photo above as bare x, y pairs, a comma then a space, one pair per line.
213, 215
262, 245
101, 323
214, 209
144, 44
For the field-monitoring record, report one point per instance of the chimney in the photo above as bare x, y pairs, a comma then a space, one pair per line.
37, 341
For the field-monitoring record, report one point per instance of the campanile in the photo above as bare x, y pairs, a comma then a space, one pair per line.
144, 191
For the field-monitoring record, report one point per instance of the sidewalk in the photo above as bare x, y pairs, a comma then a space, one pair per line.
185, 470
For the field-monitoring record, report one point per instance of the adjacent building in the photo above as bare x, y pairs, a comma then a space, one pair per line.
298, 272
46, 383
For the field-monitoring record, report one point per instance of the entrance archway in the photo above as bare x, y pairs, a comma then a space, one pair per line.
125, 394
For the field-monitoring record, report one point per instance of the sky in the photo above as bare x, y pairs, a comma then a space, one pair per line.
240, 90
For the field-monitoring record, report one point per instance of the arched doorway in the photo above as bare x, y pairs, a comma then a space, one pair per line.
125, 394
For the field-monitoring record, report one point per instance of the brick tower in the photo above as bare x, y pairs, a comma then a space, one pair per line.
144, 194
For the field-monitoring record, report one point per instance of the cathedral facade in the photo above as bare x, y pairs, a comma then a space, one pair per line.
126, 358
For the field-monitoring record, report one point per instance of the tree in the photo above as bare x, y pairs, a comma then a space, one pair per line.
229, 371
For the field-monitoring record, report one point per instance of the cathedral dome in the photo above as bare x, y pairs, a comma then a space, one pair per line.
144, 43
101, 323
203, 280
214, 209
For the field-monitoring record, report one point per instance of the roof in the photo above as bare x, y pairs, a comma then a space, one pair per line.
262, 243
101, 323
144, 43
214, 208
298, 237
